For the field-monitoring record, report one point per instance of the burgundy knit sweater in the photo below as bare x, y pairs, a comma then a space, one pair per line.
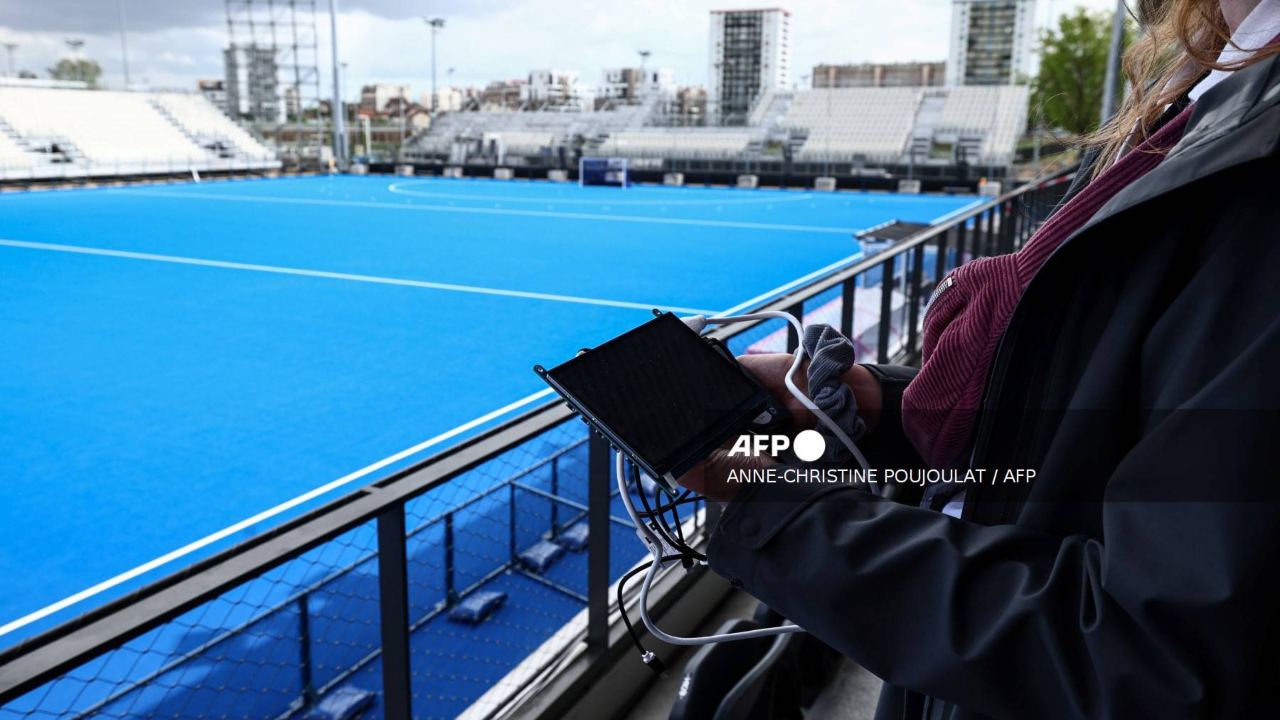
968, 316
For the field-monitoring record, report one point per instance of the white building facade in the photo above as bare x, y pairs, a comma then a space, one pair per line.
992, 42
631, 84
557, 89
375, 98
750, 52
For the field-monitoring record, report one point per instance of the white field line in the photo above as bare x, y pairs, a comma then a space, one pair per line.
958, 211
229, 197
753, 302
264, 515
374, 279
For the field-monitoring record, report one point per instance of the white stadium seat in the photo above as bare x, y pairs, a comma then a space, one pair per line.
99, 132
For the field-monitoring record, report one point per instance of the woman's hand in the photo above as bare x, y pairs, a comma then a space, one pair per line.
710, 478
771, 370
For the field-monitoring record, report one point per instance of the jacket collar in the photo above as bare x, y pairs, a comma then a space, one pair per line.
1236, 121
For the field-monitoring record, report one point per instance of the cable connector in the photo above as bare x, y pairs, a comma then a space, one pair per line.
653, 662
696, 323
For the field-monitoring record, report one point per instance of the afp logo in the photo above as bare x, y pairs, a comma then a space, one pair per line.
809, 445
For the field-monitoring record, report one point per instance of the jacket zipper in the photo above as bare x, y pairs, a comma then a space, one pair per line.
945, 285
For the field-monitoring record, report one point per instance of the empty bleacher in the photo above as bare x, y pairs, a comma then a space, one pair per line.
875, 126
205, 124
992, 117
846, 122
55, 132
659, 142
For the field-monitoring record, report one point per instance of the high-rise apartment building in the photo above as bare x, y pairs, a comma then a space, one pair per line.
907, 74
750, 53
992, 42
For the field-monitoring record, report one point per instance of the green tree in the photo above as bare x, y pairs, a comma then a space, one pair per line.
81, 69
1067, 93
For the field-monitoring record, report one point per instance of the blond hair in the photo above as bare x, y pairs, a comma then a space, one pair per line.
1180, 41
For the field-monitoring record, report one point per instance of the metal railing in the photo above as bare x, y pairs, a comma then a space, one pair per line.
352, 602
52, 168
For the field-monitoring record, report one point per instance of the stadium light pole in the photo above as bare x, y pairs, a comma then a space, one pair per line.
644, 78
1113, 62
124, 44
75, 44
336, 108
10, 47
436, 24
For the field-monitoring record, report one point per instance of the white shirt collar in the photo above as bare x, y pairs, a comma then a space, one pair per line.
1261, 25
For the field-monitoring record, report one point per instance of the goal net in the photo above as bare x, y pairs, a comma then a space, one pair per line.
602, 171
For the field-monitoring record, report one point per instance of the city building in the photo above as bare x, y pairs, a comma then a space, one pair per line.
992, 42
749, 53
502, 95
908, 74
215, 91
450, 99
374, 99
630, 84
556, 89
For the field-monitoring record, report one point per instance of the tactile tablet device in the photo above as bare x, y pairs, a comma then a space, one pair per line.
664, 396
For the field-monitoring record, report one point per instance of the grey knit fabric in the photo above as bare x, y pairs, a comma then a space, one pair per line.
830, 356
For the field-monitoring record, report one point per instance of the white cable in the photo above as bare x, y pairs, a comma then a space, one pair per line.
698, 323
655, 549
789, 379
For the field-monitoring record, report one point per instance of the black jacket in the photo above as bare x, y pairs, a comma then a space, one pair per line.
1137, 576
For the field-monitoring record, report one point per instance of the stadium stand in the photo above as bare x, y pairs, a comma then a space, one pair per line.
55, 132
877, 126
210, 129
843, 122
660, 142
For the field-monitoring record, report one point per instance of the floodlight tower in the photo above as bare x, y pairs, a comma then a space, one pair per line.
1115, 55
124, 44
10, 47
335, 105
273, 73
75, 44
644, 77
436, 24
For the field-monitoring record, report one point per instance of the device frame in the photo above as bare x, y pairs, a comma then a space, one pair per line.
758, 413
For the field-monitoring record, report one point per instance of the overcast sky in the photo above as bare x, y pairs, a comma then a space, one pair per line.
172, 43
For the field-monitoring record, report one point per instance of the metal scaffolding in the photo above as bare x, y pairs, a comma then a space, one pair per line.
273, 74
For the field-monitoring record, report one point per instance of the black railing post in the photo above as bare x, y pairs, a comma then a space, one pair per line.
886, 308
393, 599
1007, 223
985, 224
450, 586
793, 338
511, 520
913, 297
555, 490
974, 248
599, 480
848, 296
940, 261
307, 677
